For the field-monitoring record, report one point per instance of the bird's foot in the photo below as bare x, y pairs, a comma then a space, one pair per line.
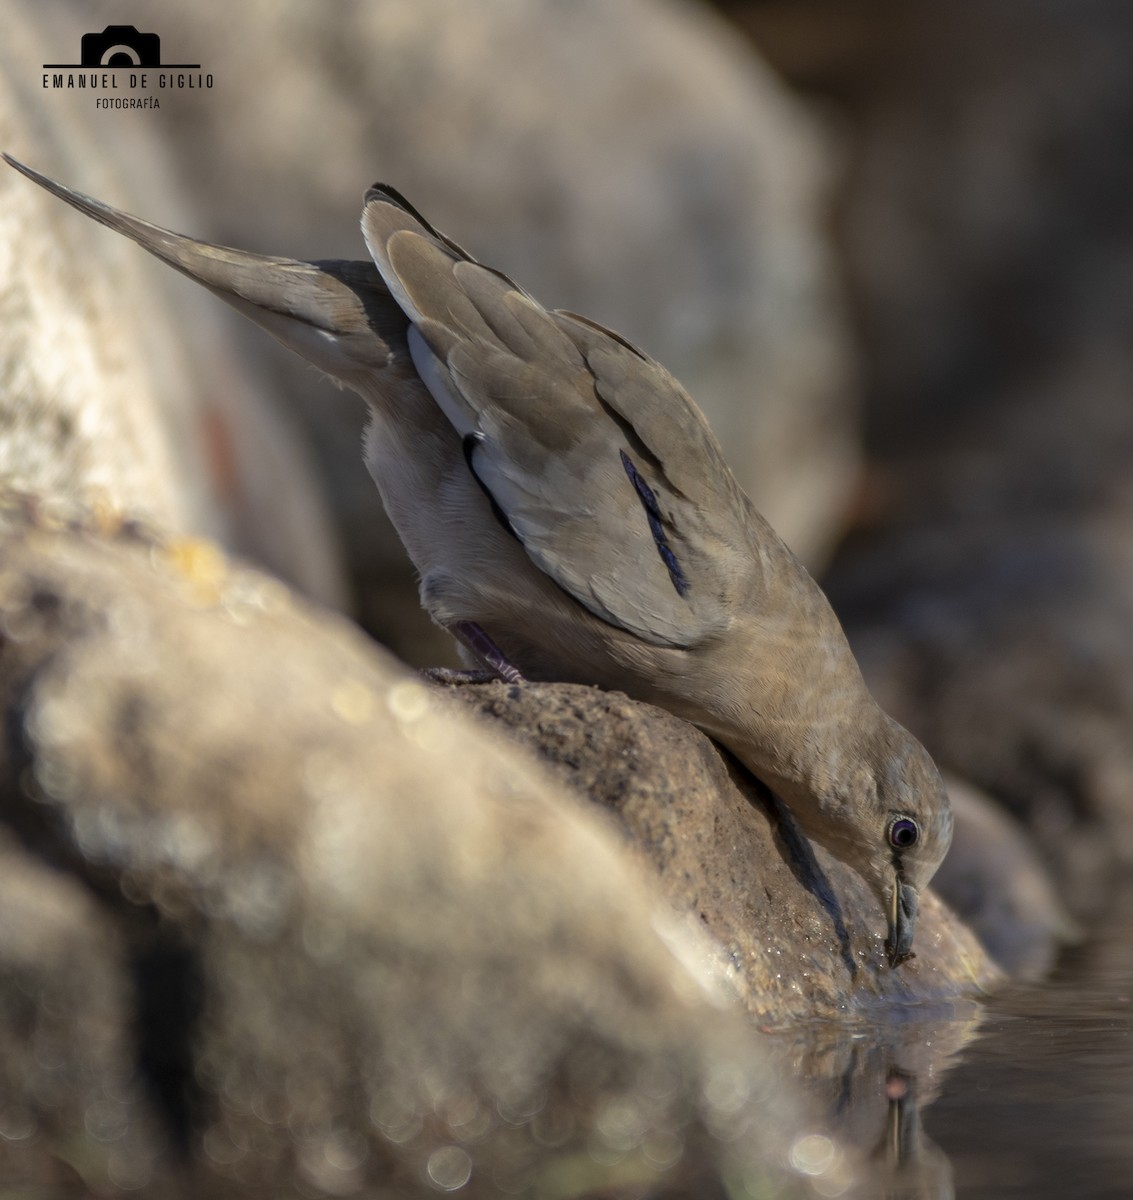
473, 638
454, 677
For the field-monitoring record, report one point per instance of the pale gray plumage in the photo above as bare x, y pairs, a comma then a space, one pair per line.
559, 491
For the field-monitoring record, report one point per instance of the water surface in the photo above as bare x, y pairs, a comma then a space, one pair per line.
1028, 1094
1040, 1103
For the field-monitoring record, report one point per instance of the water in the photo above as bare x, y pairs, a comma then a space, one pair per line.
1040, 1104
1027, 1095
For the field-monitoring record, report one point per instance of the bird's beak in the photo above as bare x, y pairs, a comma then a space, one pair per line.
337, 315
902, 921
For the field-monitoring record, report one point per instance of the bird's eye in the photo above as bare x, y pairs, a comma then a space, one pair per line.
903, 833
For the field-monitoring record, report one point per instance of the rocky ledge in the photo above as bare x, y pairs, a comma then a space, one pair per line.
279, 917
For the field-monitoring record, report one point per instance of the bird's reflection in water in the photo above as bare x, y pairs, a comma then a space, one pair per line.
869, 1083
909, 1165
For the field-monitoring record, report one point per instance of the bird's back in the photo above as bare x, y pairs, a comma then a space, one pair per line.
593, 456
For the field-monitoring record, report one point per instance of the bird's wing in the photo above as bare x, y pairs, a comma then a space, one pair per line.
593, 454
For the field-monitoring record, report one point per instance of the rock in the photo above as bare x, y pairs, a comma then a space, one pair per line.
803, 935
994, 880
68, 1079
987, 227
81, 411
285, 924
119, 385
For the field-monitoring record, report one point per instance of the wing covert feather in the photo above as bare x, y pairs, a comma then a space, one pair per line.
602, 465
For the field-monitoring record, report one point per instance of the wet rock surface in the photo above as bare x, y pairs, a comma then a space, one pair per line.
803, 935
278, 922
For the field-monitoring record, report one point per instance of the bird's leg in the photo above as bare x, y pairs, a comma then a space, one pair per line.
473, 638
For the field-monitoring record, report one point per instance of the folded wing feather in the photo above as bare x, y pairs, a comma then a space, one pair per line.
556, 405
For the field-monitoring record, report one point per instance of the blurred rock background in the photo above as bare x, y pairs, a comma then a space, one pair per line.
886, 245
117, 390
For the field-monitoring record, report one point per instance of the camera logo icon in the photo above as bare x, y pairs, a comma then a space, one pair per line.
121, 46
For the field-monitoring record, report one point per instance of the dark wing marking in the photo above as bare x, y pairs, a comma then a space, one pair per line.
656, 525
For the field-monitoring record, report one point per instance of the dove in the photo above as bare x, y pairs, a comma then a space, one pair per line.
572, 518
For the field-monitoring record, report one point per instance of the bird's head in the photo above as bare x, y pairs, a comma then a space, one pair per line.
908, 832
887, 815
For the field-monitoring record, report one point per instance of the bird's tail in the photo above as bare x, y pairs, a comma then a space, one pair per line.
337, 315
